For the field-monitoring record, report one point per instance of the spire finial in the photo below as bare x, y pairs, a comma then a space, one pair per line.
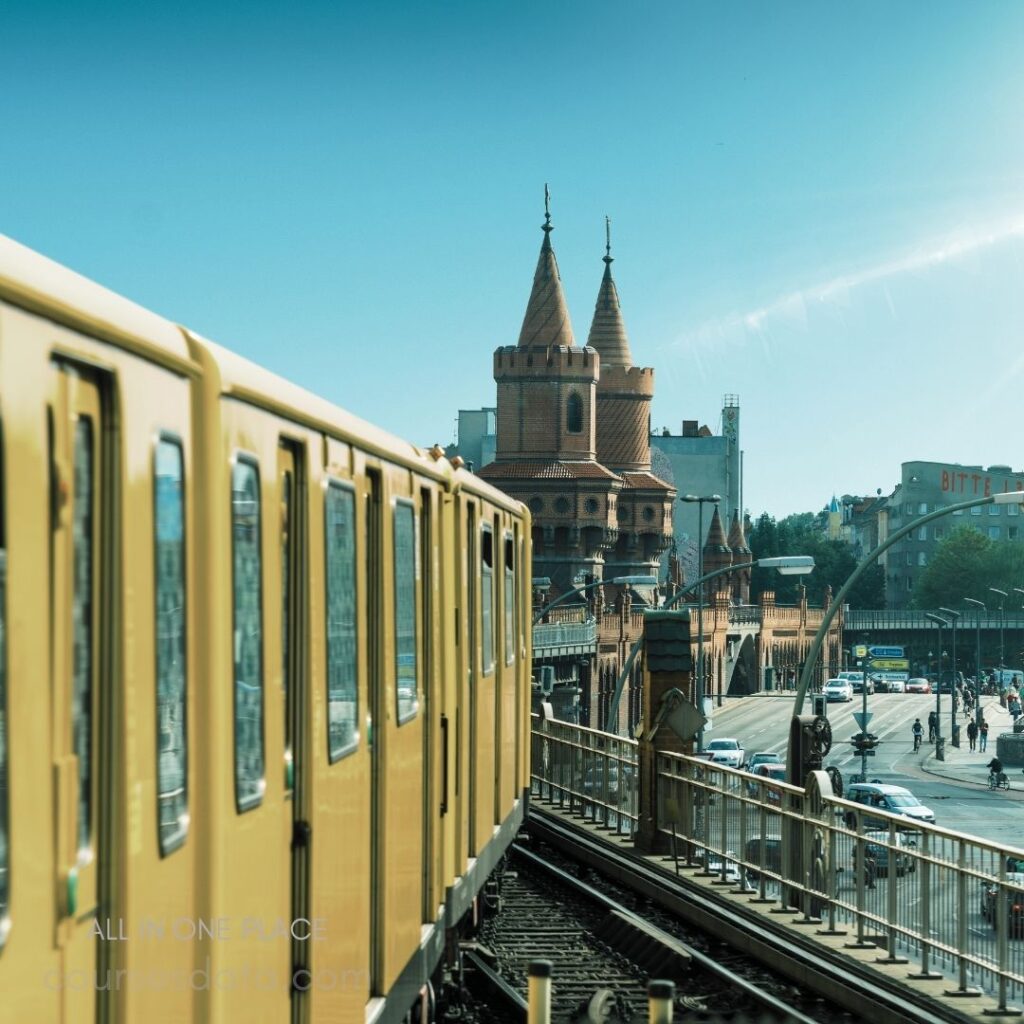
547, 210
607, 239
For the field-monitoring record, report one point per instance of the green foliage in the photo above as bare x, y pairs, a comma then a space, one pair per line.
834, 561
966, 563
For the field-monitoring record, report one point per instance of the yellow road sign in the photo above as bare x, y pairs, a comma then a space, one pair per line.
889, 664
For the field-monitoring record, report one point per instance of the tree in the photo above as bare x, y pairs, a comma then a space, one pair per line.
834, 562
966, 564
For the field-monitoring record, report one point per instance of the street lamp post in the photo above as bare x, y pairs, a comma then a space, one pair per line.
1002, 622
977, 675
700, 501
939, 751
953, 616
1004, 498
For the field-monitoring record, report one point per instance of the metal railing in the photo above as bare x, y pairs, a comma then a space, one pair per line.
561, 634
945, 903
586, 772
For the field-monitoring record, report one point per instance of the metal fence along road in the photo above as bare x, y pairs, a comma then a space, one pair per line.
950, 905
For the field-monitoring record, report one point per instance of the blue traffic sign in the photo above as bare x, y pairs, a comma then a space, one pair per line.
886, 652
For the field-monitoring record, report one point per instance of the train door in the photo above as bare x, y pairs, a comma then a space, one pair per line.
471, 663
297, 811
377, 710
82, 596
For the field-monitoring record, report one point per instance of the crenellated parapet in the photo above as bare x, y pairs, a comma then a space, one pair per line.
542, 362
627, 381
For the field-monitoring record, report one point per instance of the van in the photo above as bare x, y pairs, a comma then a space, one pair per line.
894, 799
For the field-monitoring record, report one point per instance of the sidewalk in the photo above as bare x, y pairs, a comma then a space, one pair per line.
966, 767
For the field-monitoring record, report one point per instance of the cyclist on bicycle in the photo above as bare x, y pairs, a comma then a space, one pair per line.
917, 729
995, 769
933, 722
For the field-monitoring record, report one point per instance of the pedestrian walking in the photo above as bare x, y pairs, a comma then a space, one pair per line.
972, 734
983, 735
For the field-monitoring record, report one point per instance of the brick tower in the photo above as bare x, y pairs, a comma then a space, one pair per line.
624, 394
546, 450
717, 554
740, 581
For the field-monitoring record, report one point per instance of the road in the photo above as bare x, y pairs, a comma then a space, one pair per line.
959, 798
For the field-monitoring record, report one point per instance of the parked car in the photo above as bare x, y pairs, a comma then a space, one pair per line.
1014, 899
857, 685
763, 757
878, 846
726, 751
838, 689
713, 863
768, 770
850, 675
894, 799
892, 685
918, 685
763, 852
604, 783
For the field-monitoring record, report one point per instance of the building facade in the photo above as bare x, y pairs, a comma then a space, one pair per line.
697, 461
927, 486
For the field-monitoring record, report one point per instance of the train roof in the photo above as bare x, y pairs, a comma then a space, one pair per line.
249, 382
40, 285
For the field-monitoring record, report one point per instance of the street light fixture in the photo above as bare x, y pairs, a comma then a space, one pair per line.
787, 564
940, 622
1002, 622
953, 616
977, 675
700, 501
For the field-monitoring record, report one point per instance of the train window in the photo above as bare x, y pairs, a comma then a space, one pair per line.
169, 538
5, 856
405, 611
342, 697
510, 601
82, 620
487, 599
286, 622
248, 633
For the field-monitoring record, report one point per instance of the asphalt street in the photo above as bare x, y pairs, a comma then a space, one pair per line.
956, 788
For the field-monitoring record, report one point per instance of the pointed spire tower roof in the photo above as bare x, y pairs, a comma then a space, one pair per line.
716, 536
608, 330
737, 538
547, 316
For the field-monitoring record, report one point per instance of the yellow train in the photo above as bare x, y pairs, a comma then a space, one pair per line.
264, 681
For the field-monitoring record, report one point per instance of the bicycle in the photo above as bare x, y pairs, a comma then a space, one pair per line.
917, 741
998, 780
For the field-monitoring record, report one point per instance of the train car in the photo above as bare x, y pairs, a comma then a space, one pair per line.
264, 681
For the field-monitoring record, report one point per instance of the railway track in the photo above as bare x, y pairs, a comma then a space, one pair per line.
738, 965
604, 953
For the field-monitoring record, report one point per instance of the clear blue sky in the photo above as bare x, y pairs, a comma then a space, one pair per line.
818, 207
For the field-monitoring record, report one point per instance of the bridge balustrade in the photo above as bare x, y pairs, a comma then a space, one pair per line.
587, 772
940, 900
946, 903
563, 634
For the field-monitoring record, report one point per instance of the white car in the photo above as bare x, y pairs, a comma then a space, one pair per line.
838, 689
726, 751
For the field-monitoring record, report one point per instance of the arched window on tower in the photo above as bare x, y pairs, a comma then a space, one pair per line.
574, 414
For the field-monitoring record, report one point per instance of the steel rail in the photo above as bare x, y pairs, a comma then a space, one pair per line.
867, 993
